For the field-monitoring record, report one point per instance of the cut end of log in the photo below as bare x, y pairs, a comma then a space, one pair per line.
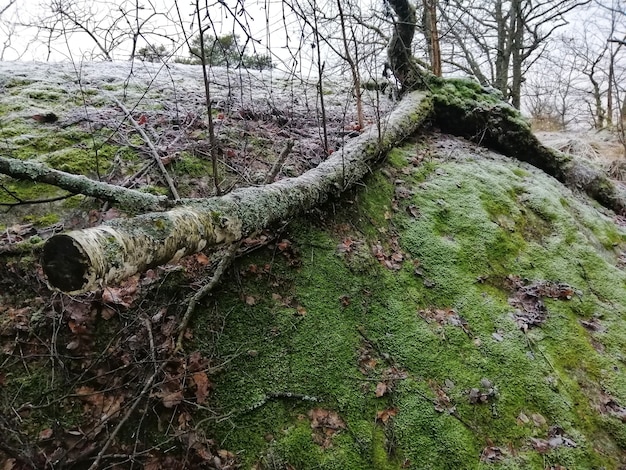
64, 264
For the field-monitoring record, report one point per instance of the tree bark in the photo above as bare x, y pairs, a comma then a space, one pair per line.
87, 259
77, 184
401, 60
431, 32
83, 260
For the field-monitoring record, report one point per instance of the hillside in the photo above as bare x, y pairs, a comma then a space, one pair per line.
457, 310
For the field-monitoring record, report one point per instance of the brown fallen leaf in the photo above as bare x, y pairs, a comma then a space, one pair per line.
381, 389
45, 434
170, 400
202, 386
384, 415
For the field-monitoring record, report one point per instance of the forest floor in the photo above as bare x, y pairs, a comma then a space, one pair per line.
457, 310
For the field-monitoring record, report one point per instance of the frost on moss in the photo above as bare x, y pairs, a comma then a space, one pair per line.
326, 331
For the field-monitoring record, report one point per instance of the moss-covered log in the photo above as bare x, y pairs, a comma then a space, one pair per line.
85, 259
464, 108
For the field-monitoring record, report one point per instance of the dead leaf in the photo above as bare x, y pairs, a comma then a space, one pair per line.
522, 419
538, 420
202, 259
492, 454
172, 399
381, 389
384, 415
325, 419
107, 313
202, 386
124, 294
45, 434
325, 423
284, 245
346, 246
527, 299
184, 420
540, 445
250, 300
413, 211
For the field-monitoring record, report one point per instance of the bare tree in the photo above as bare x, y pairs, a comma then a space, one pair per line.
110, 28
431, 33
500, 40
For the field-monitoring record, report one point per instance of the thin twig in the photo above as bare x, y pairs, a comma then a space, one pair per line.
279, 163
207, 288
153, 149
147, 386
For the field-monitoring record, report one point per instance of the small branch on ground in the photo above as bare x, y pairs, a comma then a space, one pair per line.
78, 184
153, 149
205, 290
279, 163
21, 202
147, 386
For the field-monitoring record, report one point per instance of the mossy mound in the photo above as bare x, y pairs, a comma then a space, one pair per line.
387, 330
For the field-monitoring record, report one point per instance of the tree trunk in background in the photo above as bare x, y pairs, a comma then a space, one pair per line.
517, 54
503, 51
401, 60
431, 32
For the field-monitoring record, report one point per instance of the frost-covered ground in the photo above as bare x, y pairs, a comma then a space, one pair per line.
255, 114
180, 84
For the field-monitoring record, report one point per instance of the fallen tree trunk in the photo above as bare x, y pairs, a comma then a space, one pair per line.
86, 259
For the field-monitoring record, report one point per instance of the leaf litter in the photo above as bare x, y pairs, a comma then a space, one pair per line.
527, 299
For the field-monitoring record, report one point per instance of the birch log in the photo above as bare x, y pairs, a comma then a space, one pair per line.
84, 260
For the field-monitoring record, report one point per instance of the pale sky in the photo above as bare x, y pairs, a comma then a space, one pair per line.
263, 19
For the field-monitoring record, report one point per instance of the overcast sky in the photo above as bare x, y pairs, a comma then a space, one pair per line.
262, 19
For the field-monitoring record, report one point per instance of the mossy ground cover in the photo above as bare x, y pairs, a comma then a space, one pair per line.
376, 332
400, 353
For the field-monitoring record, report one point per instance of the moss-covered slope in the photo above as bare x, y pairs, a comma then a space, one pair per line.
460, 310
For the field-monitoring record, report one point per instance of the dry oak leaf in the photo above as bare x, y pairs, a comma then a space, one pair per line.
325, 423
384, 415
123, 295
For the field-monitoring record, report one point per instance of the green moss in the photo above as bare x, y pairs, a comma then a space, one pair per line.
17, 82
44, 94
480, 221
78, 161
397, 158
156, 190
26, 191
42, 221
190, 165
